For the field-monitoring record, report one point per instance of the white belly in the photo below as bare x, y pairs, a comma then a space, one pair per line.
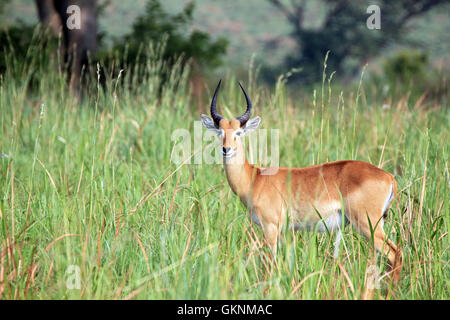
332, 222
306, 218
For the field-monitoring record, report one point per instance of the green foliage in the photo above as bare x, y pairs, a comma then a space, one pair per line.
345, 34
154, 33
406, 66
156, 25
410, 71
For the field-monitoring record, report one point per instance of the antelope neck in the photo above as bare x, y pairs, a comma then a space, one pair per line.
239, 174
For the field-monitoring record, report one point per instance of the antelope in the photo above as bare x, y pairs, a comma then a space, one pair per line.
363, 191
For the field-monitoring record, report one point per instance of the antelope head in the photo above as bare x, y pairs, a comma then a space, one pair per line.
231, 131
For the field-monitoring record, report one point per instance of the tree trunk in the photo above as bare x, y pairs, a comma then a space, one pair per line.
80, 40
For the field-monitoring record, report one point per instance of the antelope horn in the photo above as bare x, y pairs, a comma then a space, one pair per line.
244, 118
216, 116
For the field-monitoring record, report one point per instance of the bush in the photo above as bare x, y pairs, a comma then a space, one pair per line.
410, 71
157, 26
406, 66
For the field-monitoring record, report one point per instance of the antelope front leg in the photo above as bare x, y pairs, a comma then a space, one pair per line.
271, 236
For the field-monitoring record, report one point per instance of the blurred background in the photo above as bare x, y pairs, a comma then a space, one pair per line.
274, 37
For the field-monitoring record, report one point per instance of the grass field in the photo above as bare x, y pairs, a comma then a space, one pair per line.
88, 188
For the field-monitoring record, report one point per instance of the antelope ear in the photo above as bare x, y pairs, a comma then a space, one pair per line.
251, 125
208, 123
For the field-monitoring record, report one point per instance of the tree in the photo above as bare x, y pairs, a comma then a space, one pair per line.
181, 45
344, 33
156, 24
79, 40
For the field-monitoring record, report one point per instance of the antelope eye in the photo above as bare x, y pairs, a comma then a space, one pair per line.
238, 133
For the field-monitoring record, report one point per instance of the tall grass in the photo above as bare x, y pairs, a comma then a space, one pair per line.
90, 184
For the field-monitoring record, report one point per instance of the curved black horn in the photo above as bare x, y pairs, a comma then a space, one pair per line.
216, 117
244, 118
